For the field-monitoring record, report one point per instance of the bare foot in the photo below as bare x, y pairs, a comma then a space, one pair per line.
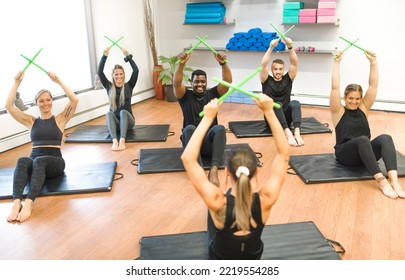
213, 175
26, 211
121, 145
297, 136
15, 209
114, 146
290, 137
299, 140
398, 189
387, 189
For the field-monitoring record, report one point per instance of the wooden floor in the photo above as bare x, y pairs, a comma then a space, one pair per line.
109, 225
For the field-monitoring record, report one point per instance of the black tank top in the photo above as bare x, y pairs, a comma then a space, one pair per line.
353, 124
45, 132
228, 246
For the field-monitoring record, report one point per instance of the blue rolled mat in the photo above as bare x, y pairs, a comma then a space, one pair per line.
257, 44
233, 48
204, 15
262, 49
204, 5
206, 10
257, 35
269, 34
253, 48
246, 34
229, 46
255, 31
237, 35
261, 40
238, 44
233, 40
280, 47
247, 44
204, 20
252, 40
243, 48
242, 39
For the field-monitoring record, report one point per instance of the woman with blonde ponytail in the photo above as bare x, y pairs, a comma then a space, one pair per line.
119, 117
236, 218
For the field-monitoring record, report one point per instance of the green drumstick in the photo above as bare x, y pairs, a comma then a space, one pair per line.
230, 90
251, 94
347, 48
352, 43
114, 42
208, 46
193, 48
31, 60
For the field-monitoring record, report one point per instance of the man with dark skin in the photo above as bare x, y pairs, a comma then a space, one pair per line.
192, 102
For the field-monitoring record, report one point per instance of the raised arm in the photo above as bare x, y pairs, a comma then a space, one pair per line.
178, 86
264, 74
64, 117
226, 72
371, 93
135, 70
100, 69
292, 71
17, 114
278, 170
211, 194
335, 104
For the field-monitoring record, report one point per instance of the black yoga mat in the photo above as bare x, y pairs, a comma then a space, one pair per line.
293, 241
86, 178
169, 159
100, 134
324, 168
259, 128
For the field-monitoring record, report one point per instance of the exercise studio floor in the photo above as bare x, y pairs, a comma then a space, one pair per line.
109, 225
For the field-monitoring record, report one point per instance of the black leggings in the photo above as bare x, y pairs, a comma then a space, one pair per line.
290, 115
42, 163
213, 144
361, 151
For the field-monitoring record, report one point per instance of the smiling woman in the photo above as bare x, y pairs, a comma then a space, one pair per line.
53, 36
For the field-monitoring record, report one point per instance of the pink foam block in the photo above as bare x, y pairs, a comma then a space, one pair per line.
327, 5
326, 19
308, 13
326, 12
307, 20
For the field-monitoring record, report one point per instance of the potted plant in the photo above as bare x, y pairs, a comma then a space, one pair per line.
167, 74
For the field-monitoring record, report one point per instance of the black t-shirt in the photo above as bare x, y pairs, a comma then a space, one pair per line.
279, 91
192, 104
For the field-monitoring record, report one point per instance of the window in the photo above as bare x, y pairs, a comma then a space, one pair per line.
59, 28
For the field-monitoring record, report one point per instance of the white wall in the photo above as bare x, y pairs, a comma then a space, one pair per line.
375, 23
114, 19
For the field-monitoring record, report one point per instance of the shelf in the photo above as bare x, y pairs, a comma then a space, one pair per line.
232, 23
336, 23
222, 49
